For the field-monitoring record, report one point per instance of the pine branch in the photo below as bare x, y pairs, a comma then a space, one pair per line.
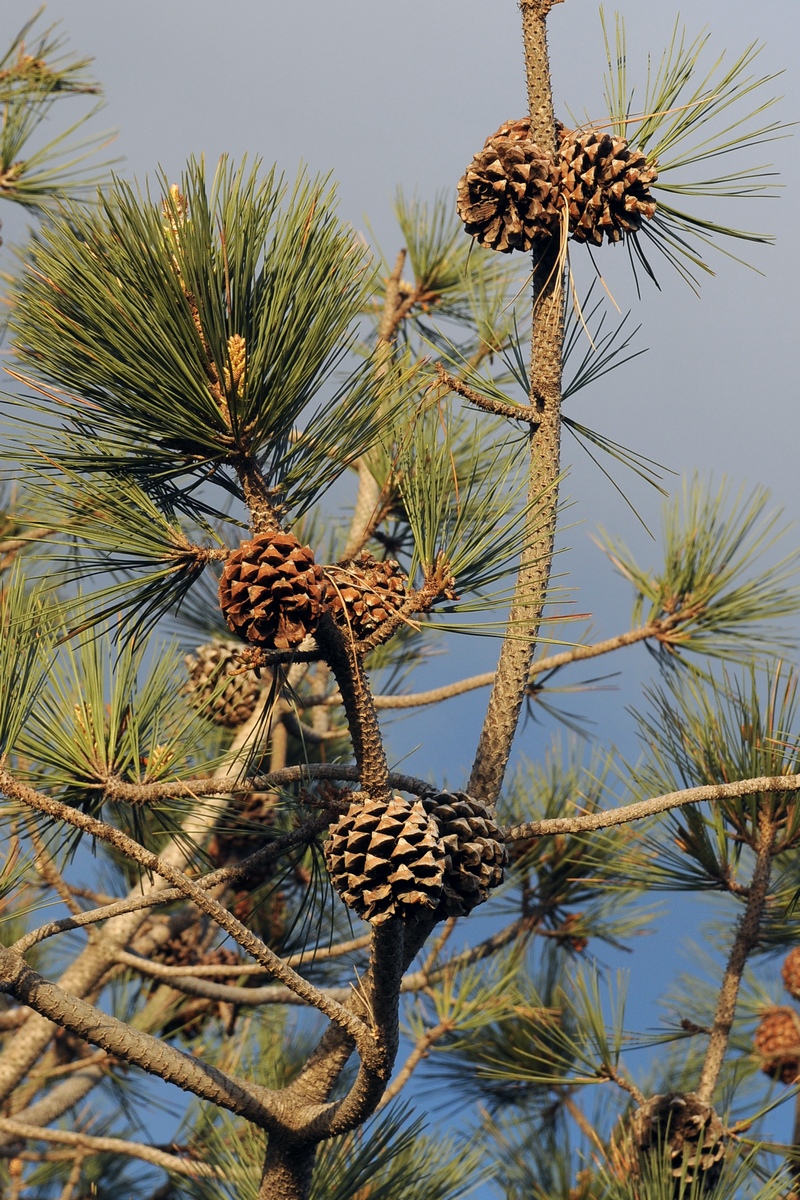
15, 790
648, 808
141, 1049
547, 346
109, 1145
745, 941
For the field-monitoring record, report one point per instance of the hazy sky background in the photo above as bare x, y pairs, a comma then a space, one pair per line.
387, 94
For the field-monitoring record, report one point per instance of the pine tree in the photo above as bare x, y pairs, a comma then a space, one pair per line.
196, 652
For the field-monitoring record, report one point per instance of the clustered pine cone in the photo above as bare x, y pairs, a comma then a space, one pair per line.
512, 192
443, 852
777, 1041
476, 853
271, 591
605, 184
226, 694
385, 859
506, 197
364, 593
689, 1127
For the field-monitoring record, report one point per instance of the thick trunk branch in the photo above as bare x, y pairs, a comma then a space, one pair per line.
547, 344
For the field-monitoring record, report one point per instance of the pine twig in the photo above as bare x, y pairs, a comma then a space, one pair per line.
647, 808
421, 1050
109, 1145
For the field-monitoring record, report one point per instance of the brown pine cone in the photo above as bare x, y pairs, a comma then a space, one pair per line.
777, 1041
692, 1130
227, 694
272, 592
363, 593
506, 197
385, 859
790, 973
605, 185
476, 852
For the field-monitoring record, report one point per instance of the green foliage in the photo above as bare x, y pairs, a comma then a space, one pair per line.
391, 1157
33, 77
26, 646
467, 526
689, 119
131, 309
715, 596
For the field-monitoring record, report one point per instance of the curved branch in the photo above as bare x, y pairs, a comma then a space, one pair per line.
145, 1051
109, 1145
151, 862
144, 793
648, 808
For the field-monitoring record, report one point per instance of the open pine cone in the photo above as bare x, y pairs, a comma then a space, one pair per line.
777, 1041
271, 591
386, 859
226, 694
506, 197
364, 593
692, 1131
605, 184
476, 852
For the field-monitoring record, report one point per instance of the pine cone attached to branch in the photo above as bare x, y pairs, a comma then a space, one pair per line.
790, 973
364, 594
476, 852
690, 1129
506, 197
271, 591
227, 694
386, 859
777, 1041
605, 184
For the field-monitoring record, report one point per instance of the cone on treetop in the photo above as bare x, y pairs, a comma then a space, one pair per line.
363, 593
777, 1041
476, 852
513, 192
229, 705
507, 197
272, 592
605, 184
385, 859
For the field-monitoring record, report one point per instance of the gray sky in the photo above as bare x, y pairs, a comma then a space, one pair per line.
404, 93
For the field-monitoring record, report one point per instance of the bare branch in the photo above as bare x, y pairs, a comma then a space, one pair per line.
109, 1145
151, 862
648, 808
134, 793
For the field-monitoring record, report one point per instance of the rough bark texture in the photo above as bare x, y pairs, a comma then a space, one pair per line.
744, 942
547, 344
